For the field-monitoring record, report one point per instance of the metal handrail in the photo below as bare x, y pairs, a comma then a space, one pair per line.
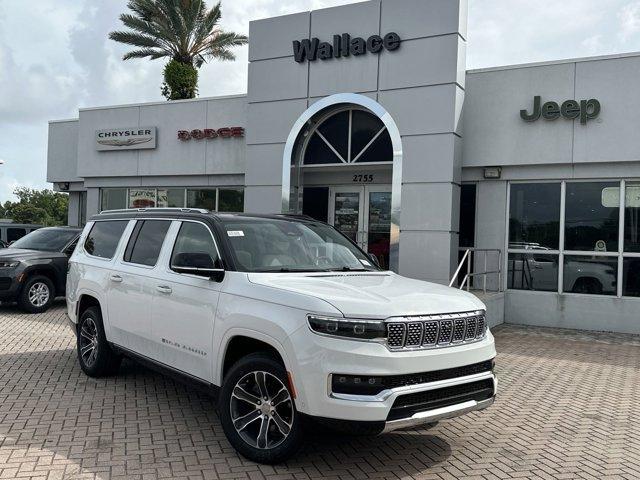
467, 257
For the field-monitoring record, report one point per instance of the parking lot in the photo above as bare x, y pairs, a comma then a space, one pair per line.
568, 408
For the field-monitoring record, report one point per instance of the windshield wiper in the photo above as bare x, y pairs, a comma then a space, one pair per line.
348, 269
291, 270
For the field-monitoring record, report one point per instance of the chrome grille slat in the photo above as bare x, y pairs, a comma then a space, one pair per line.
435, 331
414, 334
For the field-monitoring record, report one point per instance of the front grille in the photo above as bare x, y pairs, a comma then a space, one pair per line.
5, 283
408, 405
436, 330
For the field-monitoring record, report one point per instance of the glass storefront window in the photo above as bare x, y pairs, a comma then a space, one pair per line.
142, 198
592, 218
231, 200
202, 198
534, 216
533, 271
171, 197
114, 198
632, 218
631, 277
591, 274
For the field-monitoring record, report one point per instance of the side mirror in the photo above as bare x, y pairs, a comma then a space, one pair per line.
200, 264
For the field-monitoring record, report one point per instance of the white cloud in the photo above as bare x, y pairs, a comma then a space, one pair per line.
629, 17
55, 57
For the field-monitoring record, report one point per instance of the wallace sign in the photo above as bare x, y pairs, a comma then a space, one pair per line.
343, 46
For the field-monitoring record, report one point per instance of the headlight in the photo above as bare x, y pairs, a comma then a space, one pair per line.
9, 264
348, 328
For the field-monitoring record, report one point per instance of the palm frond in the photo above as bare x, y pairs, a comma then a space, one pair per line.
135, 39
186, 30
153, 54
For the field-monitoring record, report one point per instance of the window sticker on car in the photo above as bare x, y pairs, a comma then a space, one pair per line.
365, 263
235, 233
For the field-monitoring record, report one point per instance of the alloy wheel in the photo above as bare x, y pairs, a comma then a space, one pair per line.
39, 294
262, 410
89, 342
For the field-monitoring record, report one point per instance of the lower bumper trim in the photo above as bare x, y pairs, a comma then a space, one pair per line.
437, 414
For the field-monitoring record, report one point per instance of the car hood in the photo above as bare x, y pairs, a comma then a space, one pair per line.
373, 294
20, 254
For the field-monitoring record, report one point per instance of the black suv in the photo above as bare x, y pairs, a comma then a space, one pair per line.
33, 270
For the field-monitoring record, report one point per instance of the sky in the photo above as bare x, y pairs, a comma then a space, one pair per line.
55, 57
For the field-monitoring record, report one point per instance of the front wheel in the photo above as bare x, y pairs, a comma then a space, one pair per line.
257, 410
37, 294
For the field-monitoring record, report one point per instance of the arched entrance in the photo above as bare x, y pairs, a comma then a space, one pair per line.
342, 164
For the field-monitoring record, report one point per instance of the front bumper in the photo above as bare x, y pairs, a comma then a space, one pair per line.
9, 287
431, 416
319, 357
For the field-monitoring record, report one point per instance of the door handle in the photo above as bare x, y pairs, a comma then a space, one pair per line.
116, 278
164, 289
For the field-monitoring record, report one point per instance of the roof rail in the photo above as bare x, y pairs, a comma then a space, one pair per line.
295, 215
159, 210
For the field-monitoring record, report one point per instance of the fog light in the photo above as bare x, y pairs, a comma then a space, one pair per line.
357, 385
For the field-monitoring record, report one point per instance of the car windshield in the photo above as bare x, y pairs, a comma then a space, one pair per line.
286, 245
46, 239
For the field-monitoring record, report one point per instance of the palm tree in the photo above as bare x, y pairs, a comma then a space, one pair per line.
185, 31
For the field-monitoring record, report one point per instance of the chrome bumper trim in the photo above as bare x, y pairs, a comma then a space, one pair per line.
443, 413
423, 387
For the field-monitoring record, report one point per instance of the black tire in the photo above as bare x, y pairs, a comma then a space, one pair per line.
275, 446
96, 357
587, 285
37, 294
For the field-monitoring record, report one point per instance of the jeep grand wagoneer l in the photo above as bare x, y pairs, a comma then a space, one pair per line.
283, 317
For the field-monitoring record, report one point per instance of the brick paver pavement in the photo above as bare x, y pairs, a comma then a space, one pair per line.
568, 408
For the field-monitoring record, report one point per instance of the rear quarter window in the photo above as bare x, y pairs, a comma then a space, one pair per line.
102, 241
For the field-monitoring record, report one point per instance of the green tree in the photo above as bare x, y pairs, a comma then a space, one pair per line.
44, 207
184, 31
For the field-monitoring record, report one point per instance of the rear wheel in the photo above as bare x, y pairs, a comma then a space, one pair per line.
587, 285
96, 357
257, 410
37, 294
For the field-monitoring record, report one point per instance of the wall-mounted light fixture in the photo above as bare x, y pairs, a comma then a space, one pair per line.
492, 173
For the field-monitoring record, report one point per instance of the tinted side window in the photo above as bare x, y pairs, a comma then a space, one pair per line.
103, 238
14, 234
194, 238
146, 242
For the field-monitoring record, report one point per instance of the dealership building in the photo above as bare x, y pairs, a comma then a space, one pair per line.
364, 116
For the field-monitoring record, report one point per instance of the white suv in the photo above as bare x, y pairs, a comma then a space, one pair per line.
282, 317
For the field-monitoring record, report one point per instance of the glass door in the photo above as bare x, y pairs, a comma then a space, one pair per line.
363, 213
377, 238
345, 211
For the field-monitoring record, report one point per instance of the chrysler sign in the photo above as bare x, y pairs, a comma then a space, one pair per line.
344, 46
134, 138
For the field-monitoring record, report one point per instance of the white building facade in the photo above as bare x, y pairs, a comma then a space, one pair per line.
363, 116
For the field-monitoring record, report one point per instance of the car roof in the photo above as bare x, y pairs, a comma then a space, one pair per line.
190, 213
62, 227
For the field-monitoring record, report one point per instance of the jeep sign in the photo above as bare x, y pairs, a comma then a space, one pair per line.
570, 109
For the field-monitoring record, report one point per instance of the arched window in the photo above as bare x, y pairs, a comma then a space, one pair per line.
348, 136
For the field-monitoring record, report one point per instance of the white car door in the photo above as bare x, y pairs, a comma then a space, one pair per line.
133, 283
185, 305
